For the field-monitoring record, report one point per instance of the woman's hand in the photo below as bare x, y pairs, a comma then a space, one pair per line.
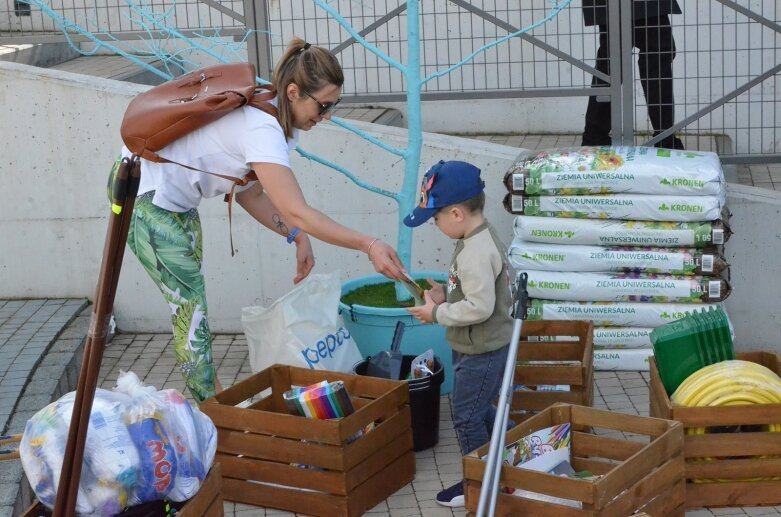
424, 313
385, 260
305, 259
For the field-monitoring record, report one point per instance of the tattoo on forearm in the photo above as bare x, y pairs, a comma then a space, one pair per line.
280, 225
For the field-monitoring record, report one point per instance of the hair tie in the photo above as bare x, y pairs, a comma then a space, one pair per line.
305, 47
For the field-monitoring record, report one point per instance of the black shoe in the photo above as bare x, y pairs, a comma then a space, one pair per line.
596, 141
669, 143
453, 496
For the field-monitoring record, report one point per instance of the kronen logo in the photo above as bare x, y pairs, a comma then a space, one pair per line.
547, 284
553, 233
681, 207
544, 257
683, 182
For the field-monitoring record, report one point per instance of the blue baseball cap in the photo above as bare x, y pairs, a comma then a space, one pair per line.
445, 184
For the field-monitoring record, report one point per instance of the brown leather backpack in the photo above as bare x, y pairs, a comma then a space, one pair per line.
166, 112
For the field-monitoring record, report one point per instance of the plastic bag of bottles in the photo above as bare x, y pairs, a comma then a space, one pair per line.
143, 445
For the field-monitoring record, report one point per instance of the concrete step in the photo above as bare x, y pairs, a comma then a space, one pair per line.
118, 68
375, 115
44, 55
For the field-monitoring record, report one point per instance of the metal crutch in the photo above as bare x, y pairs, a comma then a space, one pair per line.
124, 192
493, 467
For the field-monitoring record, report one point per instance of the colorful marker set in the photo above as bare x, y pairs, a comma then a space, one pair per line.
322, 400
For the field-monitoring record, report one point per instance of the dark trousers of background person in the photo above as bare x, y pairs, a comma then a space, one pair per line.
654, 39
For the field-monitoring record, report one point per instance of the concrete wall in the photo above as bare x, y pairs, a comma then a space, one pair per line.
61, 134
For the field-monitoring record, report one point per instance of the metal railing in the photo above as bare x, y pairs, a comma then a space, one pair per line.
726, 72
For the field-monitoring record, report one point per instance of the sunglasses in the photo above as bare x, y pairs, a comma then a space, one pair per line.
325, 107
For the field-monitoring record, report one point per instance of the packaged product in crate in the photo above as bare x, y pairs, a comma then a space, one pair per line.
321, 400
602, 170
608, 232
614, 474
731, 414
263, 447
554, 364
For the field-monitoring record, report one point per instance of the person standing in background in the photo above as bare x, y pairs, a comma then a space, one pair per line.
652, 35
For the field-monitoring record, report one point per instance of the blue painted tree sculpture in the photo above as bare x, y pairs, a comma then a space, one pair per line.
157, 24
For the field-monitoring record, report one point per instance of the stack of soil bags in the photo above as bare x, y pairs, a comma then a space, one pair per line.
629, 237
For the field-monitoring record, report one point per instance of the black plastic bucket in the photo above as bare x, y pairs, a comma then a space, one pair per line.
423, 401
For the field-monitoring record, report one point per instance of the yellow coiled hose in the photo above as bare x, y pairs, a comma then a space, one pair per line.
729, 383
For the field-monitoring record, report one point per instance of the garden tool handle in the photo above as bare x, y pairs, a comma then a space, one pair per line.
396, 342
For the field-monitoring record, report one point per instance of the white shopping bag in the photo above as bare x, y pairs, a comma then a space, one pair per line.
302, 328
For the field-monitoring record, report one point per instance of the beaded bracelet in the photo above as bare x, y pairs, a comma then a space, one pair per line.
293, 234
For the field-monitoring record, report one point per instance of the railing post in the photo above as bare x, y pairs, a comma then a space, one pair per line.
259, 40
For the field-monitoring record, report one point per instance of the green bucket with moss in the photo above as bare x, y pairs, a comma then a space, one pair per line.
370, 313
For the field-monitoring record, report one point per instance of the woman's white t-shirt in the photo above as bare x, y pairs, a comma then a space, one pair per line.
226, 146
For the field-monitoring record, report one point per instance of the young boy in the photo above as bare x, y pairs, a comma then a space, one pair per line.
475, 306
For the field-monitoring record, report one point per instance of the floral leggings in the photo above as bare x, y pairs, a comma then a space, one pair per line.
170, 248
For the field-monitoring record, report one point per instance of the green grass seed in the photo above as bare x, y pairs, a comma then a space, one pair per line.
379, 295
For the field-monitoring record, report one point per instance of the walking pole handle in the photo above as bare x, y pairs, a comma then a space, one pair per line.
494, 459
521, 296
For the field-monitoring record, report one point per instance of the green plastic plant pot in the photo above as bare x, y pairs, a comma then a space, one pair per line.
372, 327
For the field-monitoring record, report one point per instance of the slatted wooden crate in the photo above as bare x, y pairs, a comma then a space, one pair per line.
635, 476
206, 503
553, 353
262, 447
735, 459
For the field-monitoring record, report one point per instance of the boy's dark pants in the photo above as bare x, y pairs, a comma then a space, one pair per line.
476, 384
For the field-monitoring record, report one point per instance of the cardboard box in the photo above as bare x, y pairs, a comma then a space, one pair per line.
206, 503
553, 353
635, 475
273, 459
742, 457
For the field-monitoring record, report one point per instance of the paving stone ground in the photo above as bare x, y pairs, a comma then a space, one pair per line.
150, 356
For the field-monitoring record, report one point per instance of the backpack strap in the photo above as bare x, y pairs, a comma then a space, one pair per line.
260, 100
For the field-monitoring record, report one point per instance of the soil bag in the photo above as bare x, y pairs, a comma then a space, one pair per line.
609, 337
605, 170
628, 287
612, 314
621, 233
619, 206
568, 257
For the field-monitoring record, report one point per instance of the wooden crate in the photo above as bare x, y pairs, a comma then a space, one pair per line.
550, 342
260, 446
206, 503
636, 476
741, 456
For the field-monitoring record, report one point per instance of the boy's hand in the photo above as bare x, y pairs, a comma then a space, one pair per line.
424, 313
437, 291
